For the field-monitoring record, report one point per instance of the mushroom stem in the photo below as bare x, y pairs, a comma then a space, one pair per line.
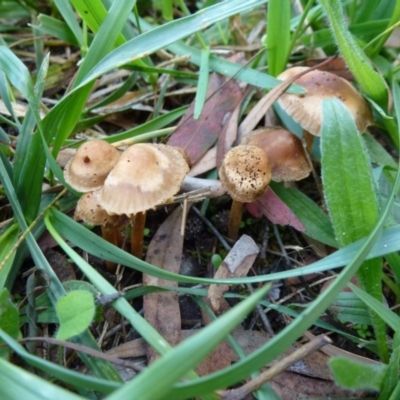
113, 235
235, 218
137, 234
191, 183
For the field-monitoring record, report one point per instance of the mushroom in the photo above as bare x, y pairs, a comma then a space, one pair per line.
306, 109
245, 172
284, 150
86, 172
90, 211
145, 175
88, 168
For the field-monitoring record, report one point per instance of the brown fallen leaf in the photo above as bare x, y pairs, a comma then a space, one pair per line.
197, 136
235, 265
161, 309
270, 205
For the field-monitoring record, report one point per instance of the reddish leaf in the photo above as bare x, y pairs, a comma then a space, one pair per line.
275, 210
197, 136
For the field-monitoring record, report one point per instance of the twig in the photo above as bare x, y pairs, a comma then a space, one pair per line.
297, 355
84, 349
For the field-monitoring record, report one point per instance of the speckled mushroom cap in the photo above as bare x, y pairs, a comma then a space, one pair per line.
88, 168
306, 109
245, 172
145, 175
89, 210
284, 151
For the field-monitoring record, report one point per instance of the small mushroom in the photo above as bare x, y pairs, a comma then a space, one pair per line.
284, 150
90, 211
246, 173
306, 109
88, 168
145, 175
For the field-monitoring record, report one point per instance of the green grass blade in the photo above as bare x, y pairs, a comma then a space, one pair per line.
17, 384
166, 34
174, 365
66, 375
8, 239
106, 35
202, 84
278, 35
371, 83
67, 12
93, 244
56, 28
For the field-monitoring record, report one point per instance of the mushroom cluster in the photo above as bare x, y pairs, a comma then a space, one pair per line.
285, 154
122, 186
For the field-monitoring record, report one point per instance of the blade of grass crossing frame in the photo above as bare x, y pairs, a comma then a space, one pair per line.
167, 34
19, 384
202, 84
94, 244
350, 196
109, 31
68, 14
371, 83
173, 366
278, 35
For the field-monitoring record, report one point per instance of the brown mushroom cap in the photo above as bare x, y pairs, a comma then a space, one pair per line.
89, 210
245, 172
306, 109
88, 168
145, 175
284, 151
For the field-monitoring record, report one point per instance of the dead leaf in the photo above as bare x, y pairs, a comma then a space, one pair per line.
292, 386
161, 309
270, 205
235, 265
197, 136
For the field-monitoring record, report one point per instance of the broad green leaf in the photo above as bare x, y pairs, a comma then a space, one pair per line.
354, 375
17, 384
316, 222
350, 195
175, 364
391, 318
347, 307
75, 312
9, 319
346, 175
392, 374
278, 35
371, 83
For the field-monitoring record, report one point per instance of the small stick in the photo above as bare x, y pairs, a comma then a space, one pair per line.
269, 374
